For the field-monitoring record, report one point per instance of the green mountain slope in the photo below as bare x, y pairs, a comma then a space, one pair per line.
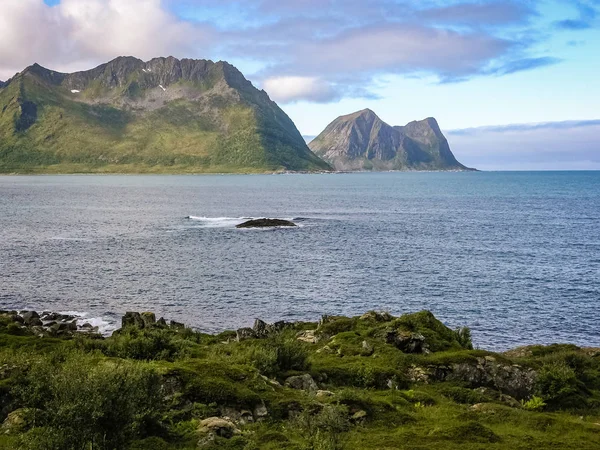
165, 115
362, 141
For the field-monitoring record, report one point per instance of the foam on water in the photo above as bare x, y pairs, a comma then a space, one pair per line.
232, 222
105, 325
218, 222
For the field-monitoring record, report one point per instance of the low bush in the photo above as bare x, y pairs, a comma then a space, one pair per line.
83, 402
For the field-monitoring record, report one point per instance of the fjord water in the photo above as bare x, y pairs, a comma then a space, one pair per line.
513, 255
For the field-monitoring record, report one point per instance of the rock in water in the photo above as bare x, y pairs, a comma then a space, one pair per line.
265, 223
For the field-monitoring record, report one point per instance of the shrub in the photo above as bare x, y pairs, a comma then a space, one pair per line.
557, 384
323, 429
144, 345
84, 402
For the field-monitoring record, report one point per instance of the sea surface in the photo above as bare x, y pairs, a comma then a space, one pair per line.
513, 255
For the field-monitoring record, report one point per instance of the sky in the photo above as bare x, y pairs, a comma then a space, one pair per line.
513, 84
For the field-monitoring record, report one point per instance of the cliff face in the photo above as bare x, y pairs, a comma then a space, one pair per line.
162, 115
362, 141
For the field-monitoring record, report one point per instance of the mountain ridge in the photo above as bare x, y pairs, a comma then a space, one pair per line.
163, 115
362, 141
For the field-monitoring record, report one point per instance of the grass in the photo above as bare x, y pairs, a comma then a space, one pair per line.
373, 404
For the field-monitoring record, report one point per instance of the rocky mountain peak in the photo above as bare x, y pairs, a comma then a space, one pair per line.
362, 141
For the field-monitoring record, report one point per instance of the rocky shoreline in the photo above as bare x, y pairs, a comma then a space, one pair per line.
345, 377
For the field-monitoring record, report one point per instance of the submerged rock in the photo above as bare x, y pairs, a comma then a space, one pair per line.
264, 223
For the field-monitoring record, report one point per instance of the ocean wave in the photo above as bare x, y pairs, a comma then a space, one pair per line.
104, 324
218, 222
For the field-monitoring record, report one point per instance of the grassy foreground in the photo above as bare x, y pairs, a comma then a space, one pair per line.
370, 382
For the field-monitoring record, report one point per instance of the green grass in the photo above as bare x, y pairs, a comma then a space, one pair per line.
192, 376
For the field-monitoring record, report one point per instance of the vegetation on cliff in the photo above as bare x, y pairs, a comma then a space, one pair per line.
164, 115
369, 382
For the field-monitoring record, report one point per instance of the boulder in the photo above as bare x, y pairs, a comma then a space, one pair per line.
265, 223
262, 329
408, 342
33, 322
367, 349
308, 336
219, 427
132, 319
324, 394
176, 325
29, 315
149, 318
302, 382
260, 412
244, 333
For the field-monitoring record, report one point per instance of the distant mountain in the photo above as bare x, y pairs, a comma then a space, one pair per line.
362, 141
164, 115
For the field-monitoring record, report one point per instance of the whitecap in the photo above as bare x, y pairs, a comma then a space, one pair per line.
218, 222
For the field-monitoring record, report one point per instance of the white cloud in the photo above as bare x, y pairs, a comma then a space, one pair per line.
548, 146
288, 89
77, 34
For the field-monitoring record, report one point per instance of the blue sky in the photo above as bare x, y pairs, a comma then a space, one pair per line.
469, 63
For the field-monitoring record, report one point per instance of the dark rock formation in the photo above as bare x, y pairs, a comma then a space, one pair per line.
408, 342
264, 223
362, 141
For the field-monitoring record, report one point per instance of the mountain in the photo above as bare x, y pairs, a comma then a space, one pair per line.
164, 115
362, 141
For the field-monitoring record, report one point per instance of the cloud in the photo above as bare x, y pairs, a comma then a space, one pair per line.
76, 34
288, 89
587, 11
314, 50
478, 14
570, 145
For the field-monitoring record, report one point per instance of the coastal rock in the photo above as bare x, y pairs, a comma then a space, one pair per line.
243, 334
29, 317
266, 223
302, 382
262, 329
176, 325
132, 319
511, 380
408, 342
149, 318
